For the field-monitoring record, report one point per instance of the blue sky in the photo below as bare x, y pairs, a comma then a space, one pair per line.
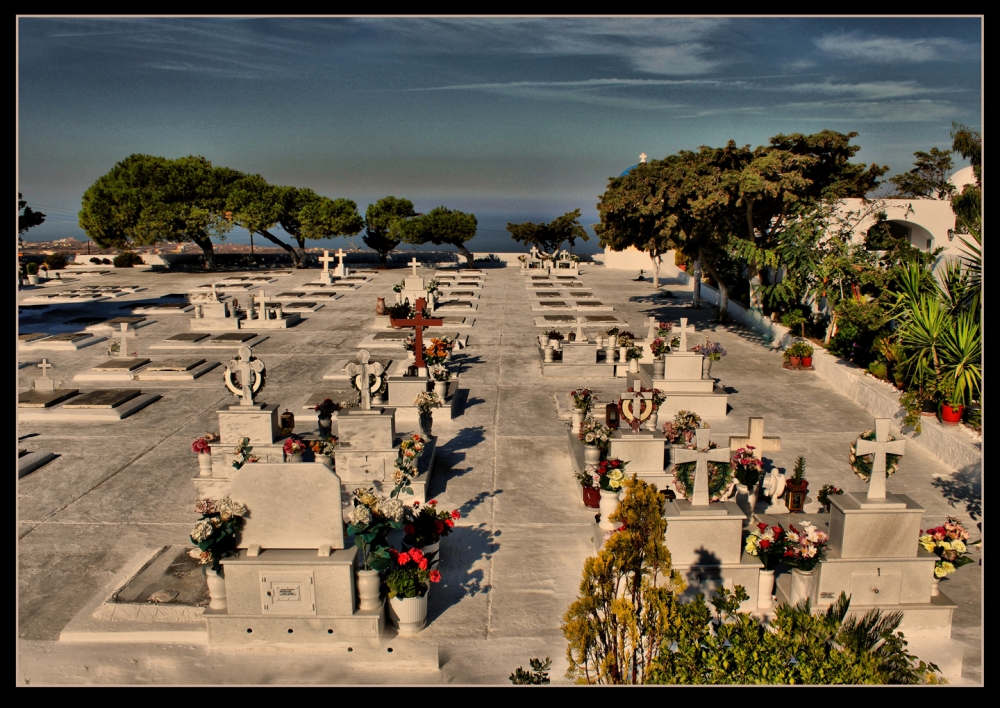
512, 119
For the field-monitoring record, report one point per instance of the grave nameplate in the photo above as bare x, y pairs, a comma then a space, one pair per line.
121, 364
322, 295
553, 303
292, 294
85, 320
125, 320
543, 285
392, 336
186, 337
44, 399
546, 294
453, 320
167, 306
293, 305
589, 304
462, 293
70, 337
601, 318
103, 398
30, 337
559, 318
580, 294
176, 365
235, 337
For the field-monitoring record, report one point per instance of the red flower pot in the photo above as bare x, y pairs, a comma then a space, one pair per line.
951, 415
592, 497
683, 267
807, 361
795, 360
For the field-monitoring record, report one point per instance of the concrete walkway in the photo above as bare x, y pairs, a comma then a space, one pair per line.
513, 564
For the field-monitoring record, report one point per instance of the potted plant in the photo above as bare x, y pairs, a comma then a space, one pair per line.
610, 477
583, 402
680, 431
797, 486
632, 355
792, 356
425, 402
215, 536
554, 340
768, 543
204, 451
804, 550
658, 397
806, 352
293, 449
370, 522
710, 351
440, 376
748, 471
950, 543
912, 404
660, 348
596, 437
32, 271
408, 581
591, 492
325, 411
425, 526
952, 402
325, 450
827, 491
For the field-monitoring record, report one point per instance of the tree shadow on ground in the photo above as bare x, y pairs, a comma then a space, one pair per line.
464, 361
964, 487
460, 551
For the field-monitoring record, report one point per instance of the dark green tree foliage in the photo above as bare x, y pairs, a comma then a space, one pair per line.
258, 207
307, 215
537, 676
968, 204
928, 178
549, 237
145, 199
27, 218
379, 218
797, 647
439, 226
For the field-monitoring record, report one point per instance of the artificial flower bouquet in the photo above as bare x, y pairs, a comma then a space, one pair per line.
215, 533
747, 468
583, 399
410, 449
680, 431
294, 446
625, 339
426, 401
398, 287
425, 524
609, 475
663, 329
710, 350
950, 543
370, 521
633, 353
242, 454
827, 491
659, 347
436, 352
612, 331
326, 446
201, 447
556, 335
767, 543
409, 576
595, 434
806, 547
440, 373
432, 286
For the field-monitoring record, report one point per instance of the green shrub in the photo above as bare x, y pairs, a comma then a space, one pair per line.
879, 370
537, 676
31, 269
126, 259
56, 261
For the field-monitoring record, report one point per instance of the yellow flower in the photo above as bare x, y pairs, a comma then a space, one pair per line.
943, 569
958, 546
946, 546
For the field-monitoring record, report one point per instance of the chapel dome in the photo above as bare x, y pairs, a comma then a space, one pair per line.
964, 176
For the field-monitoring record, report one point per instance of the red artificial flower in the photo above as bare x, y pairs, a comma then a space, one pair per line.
433, 502
451, 524
422, 564
416, 554
409, 529
765, 543
762, 526
776, 529
438, 526
435, 576
456, 514
403, 558
416, 503
393, 553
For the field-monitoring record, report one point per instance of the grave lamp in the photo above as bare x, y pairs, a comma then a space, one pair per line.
287, 420
611, 416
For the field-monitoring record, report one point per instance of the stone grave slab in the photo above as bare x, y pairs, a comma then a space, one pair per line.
104, 398
456, 321
314, 285
326, 295
31, 461
43, 399
187, 337
176, 364
122, 364
457, 306
64, 341
394, 339
293, 294
31, 336
202, 340
63, 298
163, 308
85, 320
547, 293
302, 306
235, 337
551, 305
580, 294
463, 294
591, 320
134, 322
177, 370
237, 278
541, 285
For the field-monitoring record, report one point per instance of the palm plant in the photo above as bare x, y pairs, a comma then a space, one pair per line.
958, 289
922, 333
960, 357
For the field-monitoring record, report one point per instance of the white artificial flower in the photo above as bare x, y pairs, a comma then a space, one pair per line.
391, 509
202, 530
360, 516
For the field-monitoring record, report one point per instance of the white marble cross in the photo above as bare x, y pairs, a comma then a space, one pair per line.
701, 457
683, 331
880, 446
45, 366
642, 157
653, 326
45, 383
360, 372
123, 346
414, 263
248, 371
326, 260
756, 438
637, 398
580, 336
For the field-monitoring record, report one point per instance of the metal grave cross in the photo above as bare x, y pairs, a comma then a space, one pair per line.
250, 370
414, 263
419, 323
361, 372
123, 346
755, 437
326, 260
701, 457
635, 408
683, 331
880, 446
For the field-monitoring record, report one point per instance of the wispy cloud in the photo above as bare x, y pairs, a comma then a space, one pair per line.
855, 45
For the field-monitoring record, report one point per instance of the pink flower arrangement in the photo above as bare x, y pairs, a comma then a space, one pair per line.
294, 446
201, 446
805, 548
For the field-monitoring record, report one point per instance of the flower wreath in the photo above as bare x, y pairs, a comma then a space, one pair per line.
721, 479
263, 383
862, 464
383, 386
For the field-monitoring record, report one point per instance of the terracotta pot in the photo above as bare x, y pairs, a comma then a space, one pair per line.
591, 497
795, 360
807, 361
683, 267
951, 415
380, 307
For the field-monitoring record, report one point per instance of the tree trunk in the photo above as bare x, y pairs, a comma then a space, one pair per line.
696, 283
469, 258
205, 244
723, 293
657, 259
296, 259
302, 249
831, 327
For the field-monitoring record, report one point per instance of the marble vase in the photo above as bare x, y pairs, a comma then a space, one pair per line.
803, 585
591, 455
659, 366
549, 355
325, 425
577, 421
293, 458
633, 366
441, 389
936, 587
609, 505
652, 421
368, 582
706, 368
205, 464
216, 589
765, 590
746, 499
426, 421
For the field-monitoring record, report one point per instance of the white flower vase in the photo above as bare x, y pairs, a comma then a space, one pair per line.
765, 590
441, 389
577, 421
408, 615
652, 421
426, 422
609, 355
204, 464
706, 368
633, 366
368, 582
216, 589
326, 461
803, 586
659, 367
543, 341
549, 355
936, 587
378, 399
746, 499
293, 458
621, 354
591, 455
609, 505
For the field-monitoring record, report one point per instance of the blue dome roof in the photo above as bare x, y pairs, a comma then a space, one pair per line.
628, 170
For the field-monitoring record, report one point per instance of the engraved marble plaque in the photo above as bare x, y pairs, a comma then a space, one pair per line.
103, 398
235, 337
187, 337
126, 320
70, 337
559, 318
176, 365
85, 320
552, 303
43, 399
31, 337
121, 364
601, 318
590, 304
292, 294
392, 336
